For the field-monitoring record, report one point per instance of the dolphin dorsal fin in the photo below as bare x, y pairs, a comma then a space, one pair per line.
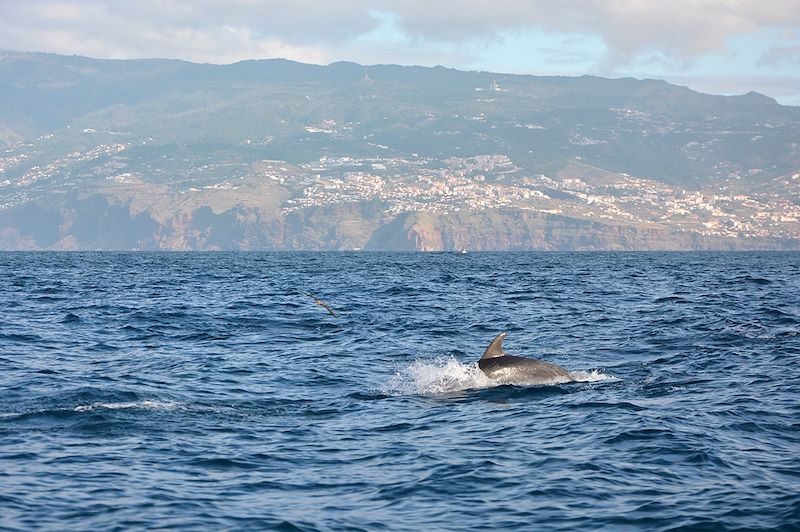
495, 348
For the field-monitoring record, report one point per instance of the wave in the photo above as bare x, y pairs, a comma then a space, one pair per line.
437, 376
146, 405
593, 376
66, 411
447, 375
71, 318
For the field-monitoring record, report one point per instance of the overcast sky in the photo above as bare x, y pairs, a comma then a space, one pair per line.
718, 46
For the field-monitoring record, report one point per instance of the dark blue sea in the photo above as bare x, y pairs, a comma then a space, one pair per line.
207, 391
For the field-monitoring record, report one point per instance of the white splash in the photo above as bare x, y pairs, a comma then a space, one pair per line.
437, 376
593, 376
147, 405
447, 375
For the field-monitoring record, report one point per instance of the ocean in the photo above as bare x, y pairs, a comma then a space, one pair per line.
208, 391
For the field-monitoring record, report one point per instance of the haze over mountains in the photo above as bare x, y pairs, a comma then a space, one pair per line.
272, 154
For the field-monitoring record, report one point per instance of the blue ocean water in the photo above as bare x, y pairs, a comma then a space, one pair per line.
207, 391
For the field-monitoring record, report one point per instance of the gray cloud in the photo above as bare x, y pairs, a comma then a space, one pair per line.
682, 29
207, 30
199, 30
780, 56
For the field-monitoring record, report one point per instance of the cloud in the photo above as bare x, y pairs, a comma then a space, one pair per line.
197, 30
779, 56
680, 29
319, 31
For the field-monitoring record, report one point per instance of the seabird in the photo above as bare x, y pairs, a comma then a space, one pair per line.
321, 303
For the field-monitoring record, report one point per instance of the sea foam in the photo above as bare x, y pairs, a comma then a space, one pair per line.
146, 405
443, 375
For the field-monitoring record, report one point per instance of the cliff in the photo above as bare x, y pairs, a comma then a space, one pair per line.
79, 222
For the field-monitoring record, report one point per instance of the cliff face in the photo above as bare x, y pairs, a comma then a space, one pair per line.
518, 230
95, 221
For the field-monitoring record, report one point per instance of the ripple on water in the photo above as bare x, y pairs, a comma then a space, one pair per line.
206, 390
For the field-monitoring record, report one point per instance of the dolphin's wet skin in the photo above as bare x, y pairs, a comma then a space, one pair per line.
503, 368
207, 391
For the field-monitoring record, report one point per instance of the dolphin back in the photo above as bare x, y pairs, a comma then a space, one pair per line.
508, 369
523, 371
495, 348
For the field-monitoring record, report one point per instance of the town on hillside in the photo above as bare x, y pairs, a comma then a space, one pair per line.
419, 184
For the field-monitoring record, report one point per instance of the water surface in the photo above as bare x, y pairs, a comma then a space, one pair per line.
205, 390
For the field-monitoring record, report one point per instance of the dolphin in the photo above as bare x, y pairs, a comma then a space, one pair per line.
508, 369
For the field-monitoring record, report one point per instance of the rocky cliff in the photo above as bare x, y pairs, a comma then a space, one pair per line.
128, 222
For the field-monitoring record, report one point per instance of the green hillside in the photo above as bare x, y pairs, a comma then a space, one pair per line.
74, 127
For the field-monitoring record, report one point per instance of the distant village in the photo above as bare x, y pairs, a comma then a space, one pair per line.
454, 184
493, 181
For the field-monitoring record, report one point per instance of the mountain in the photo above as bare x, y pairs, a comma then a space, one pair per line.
274, 154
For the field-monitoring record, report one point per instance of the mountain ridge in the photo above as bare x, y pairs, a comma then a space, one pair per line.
394, 140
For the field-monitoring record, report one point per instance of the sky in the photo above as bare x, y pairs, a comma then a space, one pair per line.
715, 46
